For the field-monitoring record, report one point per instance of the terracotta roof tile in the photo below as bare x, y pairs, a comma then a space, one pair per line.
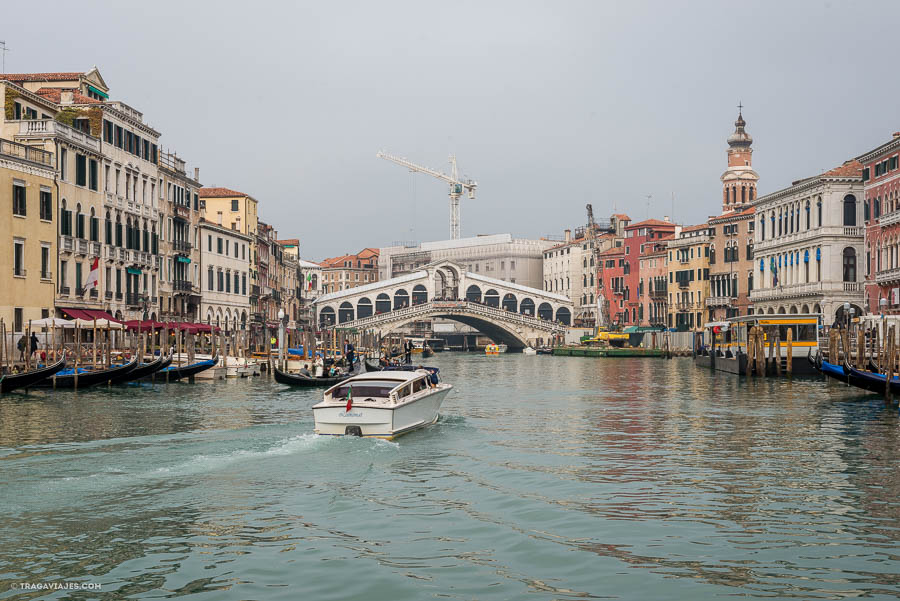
55, 95
622, 217
290, 242
219, 193
616, 250
647, 222
850, 168
694, 228
62, 76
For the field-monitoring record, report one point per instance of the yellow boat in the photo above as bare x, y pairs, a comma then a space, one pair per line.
494, 349
617, 339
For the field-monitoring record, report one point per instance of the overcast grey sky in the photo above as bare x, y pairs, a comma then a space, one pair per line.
548, 105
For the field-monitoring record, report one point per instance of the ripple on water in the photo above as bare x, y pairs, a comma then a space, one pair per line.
552, 478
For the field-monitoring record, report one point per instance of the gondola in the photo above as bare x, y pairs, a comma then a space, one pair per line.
144, 370
10, 382
173, 373
283, 377
85, 377
869, 381
371, 367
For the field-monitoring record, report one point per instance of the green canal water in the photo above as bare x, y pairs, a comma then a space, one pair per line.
546, 478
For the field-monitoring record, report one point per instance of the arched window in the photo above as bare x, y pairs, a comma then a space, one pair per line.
819, 211
473, 294
363, 308
382, 303
509, 302
850, 210
849, 264
419, 294
526, 307
807, 215
762, 228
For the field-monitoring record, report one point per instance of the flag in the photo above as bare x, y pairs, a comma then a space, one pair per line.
774, 269
93, 279
309, 281
350, 397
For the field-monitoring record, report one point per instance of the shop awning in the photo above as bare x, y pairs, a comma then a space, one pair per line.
133, 271
87, 314
183, 259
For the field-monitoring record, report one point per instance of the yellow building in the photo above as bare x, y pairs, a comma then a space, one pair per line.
28, 232
688, 273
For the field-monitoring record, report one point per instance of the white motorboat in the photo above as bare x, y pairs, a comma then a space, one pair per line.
529, 351
381, 404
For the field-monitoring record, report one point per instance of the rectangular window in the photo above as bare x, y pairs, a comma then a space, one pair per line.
209, 277
94, 176
237, 282
146, 154
221, 282
80, 170
209, 243
77, 278
18, 317
45, 262
95, 229
227, 282
63, 164
235, 204
46, 205
244, 284
219, 245
19, 258
18, 204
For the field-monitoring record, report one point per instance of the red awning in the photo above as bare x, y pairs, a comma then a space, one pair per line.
88, 314
98, 314
76, 314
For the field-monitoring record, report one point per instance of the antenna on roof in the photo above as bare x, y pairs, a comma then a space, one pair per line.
649, 197
3, 51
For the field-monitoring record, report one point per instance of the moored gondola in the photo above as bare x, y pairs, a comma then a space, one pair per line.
870, 381
84, 378
283, 377
144, 370
173, 373
10, 382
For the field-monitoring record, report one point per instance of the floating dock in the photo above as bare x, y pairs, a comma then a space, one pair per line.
588, 351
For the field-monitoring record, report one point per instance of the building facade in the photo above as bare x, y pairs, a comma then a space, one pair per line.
611, 295
179, 241
809, 244
652, 286
637, 235
881, 213
225, 263
28, 230
350, 271
688, 286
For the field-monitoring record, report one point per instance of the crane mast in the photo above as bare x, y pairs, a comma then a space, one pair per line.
456, 185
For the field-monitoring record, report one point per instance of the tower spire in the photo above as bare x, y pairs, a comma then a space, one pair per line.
739, 180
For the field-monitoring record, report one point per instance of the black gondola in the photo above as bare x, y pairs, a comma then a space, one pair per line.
87, 378
10, 382
144, 370
869, 381
173, 373
283, 377
371, 367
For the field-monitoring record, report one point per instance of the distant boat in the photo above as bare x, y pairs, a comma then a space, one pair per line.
529, 351
143, 370
495, 349
173, 373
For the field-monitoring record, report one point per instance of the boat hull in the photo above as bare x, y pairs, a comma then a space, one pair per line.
11, 382
378, 421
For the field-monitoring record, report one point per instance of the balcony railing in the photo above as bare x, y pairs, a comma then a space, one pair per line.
29, 153
81, 246
658, 293
64, 291
719, 301
94, 293
42, 128
182, 286
805, 289
181, 211
67, 244
133, 299
888, 275
181, 246
108, 295
95, 248
118, 296
799, 237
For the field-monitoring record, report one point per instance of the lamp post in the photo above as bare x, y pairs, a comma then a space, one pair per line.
281, 338
847, 315
882, 303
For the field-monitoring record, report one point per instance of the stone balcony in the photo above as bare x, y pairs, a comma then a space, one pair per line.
719, 301
886, 276
35, 129
801, 237
889, 219
806, 289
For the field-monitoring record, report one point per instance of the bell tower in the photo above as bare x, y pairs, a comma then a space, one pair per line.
739, 180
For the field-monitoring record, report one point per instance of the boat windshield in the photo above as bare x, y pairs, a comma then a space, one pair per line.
365, 388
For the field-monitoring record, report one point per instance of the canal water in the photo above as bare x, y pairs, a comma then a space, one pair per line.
546, 478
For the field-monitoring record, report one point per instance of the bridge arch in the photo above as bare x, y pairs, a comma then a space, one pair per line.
363, 307
401, 298
563, 315
446, 282
492, 298
382, 303
545, 312
345, 312
526, 307
473, 294
419, 294
509, 302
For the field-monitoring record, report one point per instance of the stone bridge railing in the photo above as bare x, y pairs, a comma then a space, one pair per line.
460, 307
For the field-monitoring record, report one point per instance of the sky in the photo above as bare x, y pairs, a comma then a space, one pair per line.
547, 105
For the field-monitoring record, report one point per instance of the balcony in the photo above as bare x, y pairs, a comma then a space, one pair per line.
684, 283
133, 299
807, 289
658, 293
181, 211
81, 246
94, 293
886, 276
64, 291
95, 248
118, 296
36, 129
109, 253
687, 306
889, 219
108, 295
719, 301
182, 286
66, 244
124, 255
182, 247
805, 236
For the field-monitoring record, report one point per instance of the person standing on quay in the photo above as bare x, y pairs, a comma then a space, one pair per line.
408, 350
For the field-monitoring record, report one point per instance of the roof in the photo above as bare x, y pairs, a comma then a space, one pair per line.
615, 250
851, 168
308, 264
290, 242
694, 228
55, 95
732, 215
622, 217
647, 222
61, 76
367, 253
336, 261
219, 193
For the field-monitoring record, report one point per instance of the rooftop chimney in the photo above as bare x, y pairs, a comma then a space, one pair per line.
568, 235
666, 218
196, 174
896, 134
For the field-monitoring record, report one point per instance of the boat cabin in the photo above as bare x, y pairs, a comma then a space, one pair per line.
393, 386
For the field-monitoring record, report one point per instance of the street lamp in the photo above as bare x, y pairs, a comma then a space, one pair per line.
847, 314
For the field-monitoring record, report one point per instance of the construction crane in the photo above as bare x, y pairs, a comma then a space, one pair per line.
602, 302
456, 185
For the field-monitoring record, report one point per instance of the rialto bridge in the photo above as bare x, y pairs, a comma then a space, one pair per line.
510, 313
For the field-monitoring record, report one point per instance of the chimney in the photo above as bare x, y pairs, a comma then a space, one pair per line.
568, 235
666, 218
66, 97
196, 174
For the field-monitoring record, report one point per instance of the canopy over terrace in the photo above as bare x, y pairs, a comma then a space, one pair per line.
87, 314
81, 323
151, 324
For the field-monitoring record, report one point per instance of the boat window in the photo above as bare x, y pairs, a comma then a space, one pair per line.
405, 391
418, 385
376, 389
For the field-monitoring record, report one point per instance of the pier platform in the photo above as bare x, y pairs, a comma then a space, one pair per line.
588, 351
